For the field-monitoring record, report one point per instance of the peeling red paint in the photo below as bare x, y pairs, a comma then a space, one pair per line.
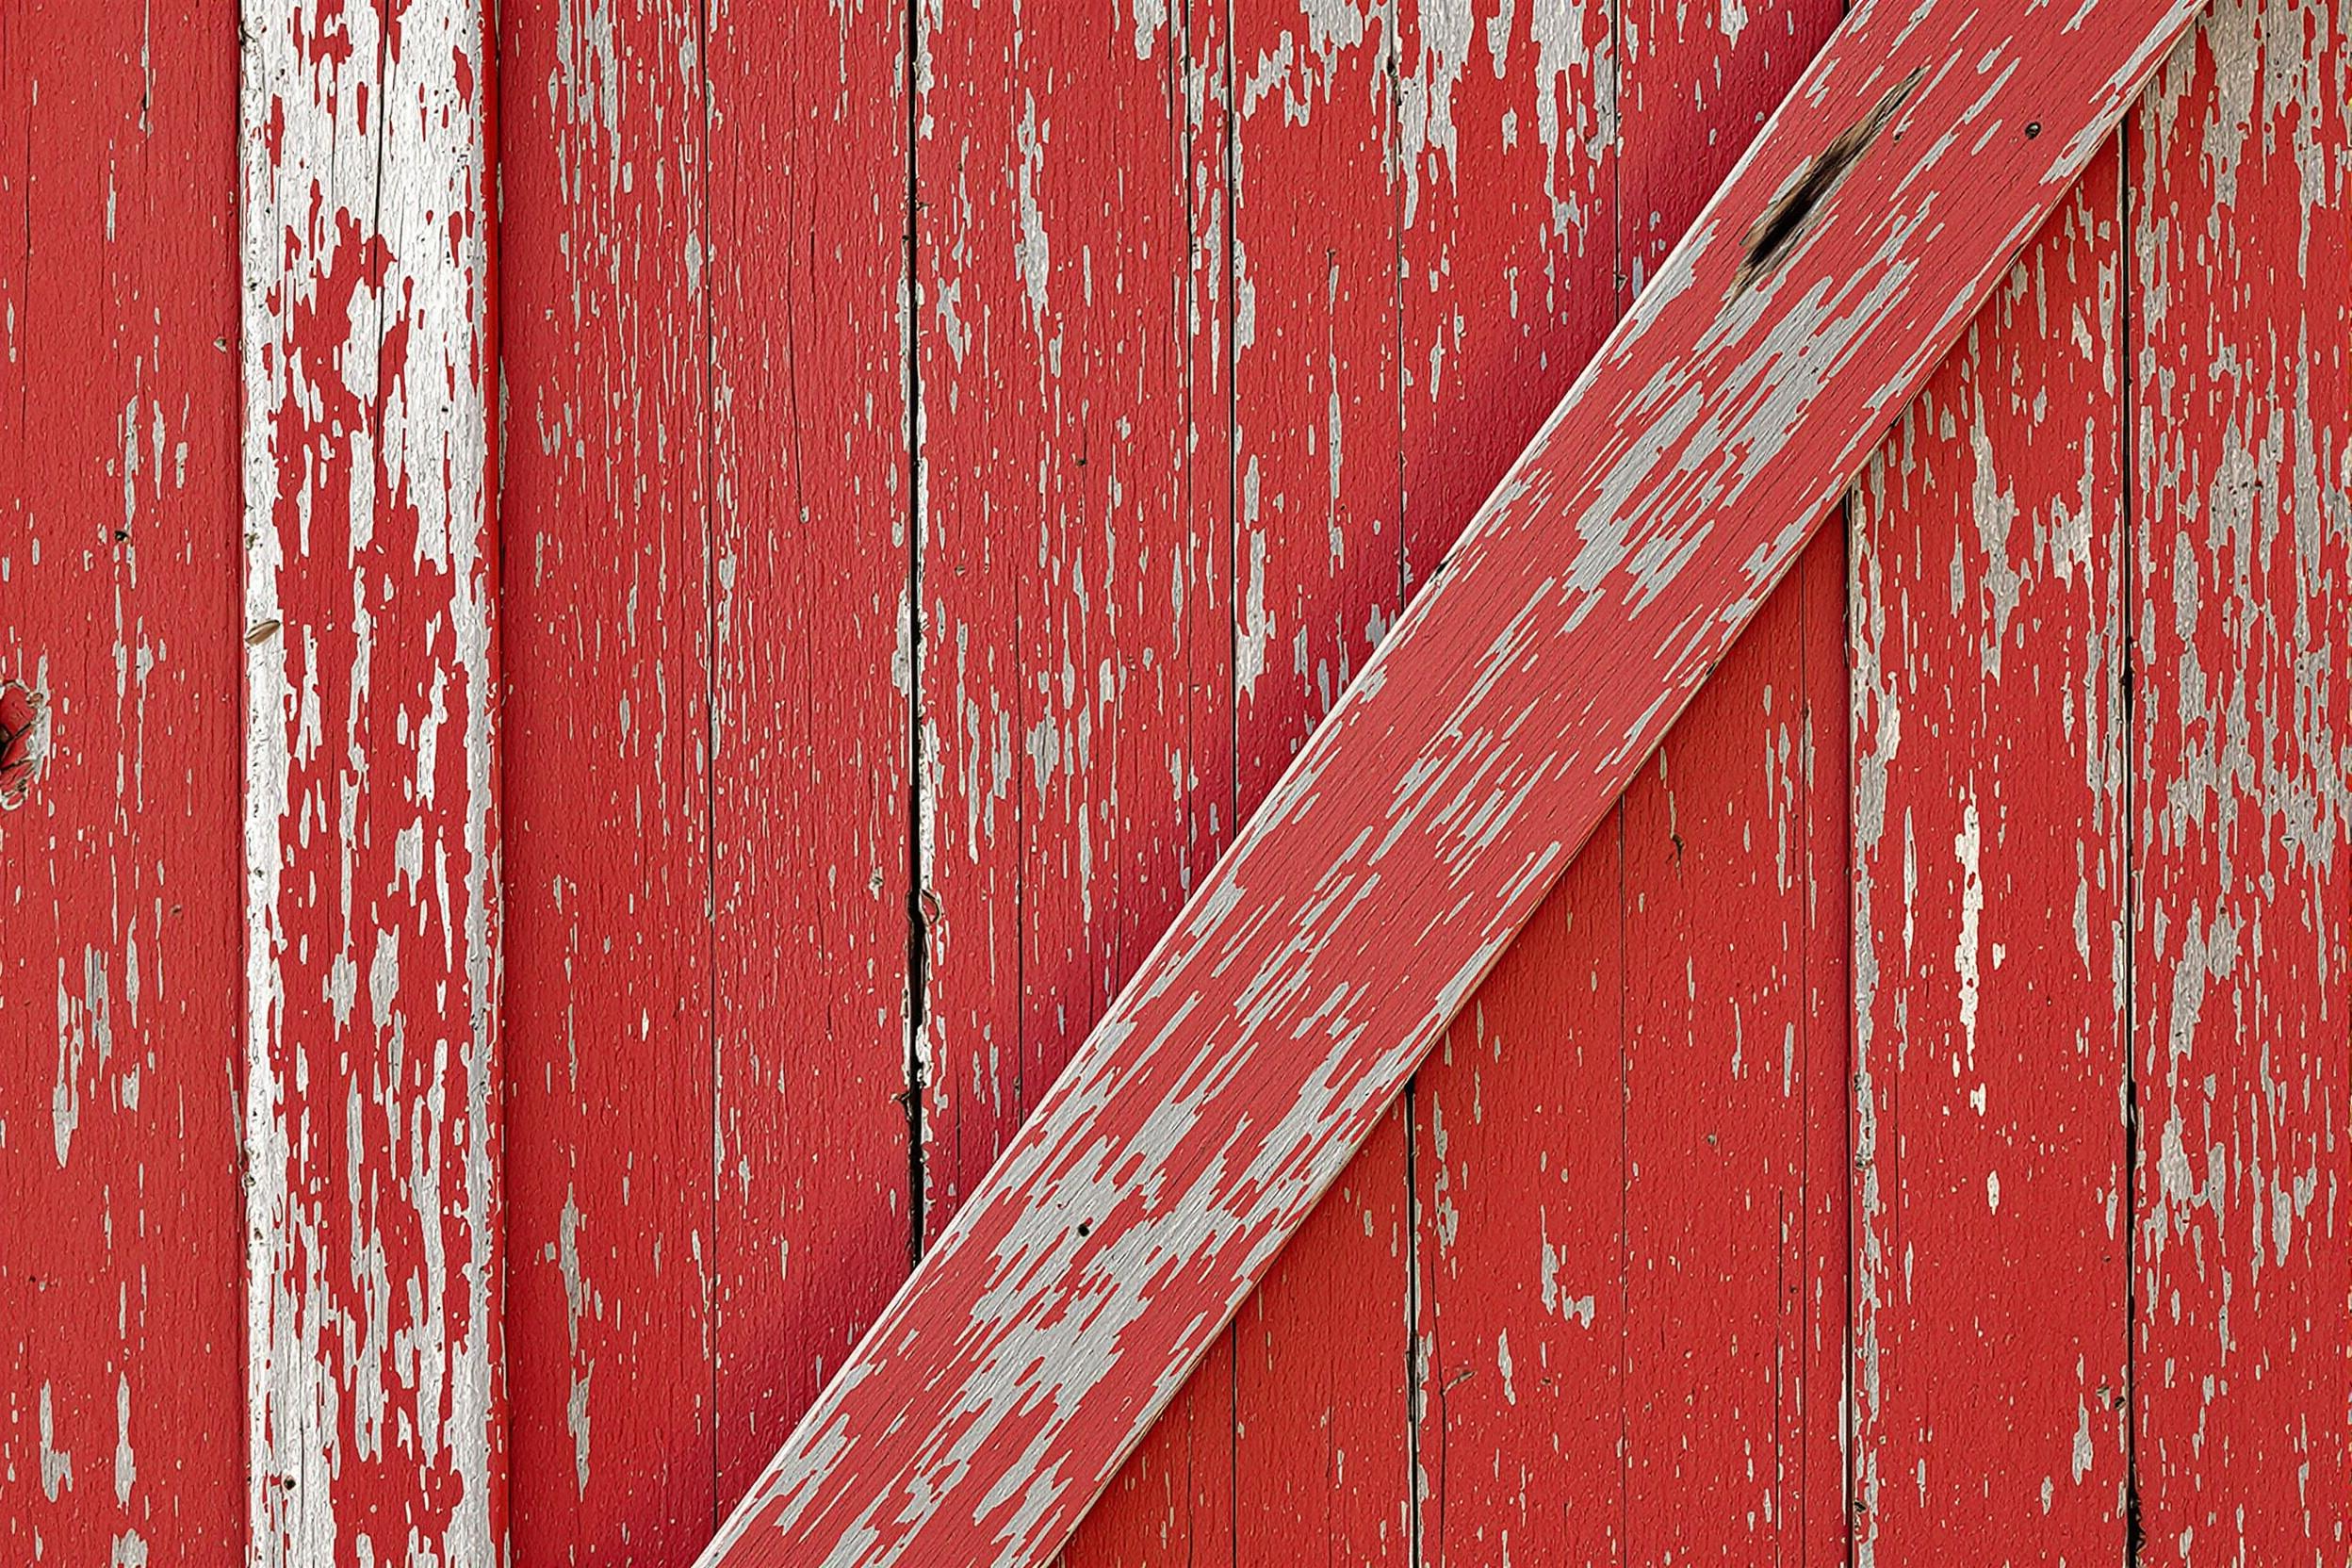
1144, 1198
121, 1323
2240, 337
375, 1372
949, 463
1990, 925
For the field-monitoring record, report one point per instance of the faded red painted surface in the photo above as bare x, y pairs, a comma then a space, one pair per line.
610, 977
2241, 475
121, 1322
947, 467
1142, 1202
1991, 914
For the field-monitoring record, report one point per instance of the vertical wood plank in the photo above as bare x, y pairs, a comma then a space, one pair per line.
1072, 680
1517, 247
1172, 1501
1695, 85
1735, 1240
1073, 683
1509, 148
2242, 504
979, 354
1521, 1171
375, 1406
604, 515
1321, 1414
1820, 1406
1725, 1418
1074, 566
121, 1322
1316, 552
1509, 154
811, 498
1990, 1357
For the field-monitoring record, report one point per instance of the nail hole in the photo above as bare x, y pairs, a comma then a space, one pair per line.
24, 740
1793, 211
2033, 129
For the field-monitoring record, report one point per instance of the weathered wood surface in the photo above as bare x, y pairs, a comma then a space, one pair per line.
1178, 1497
375, 1399
1321, 1420
1143, 1198
810, 492
1733, 1092
120, 1313
609, 587
1559, 1222
1991, 927
1612, 1205
2240, 481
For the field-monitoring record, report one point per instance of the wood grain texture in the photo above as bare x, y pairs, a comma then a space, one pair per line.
1073, 564
1732, 1309
2241, 319
607, 614
1635, 1301
811, 494
1991, 905
951, 464
375, 1408
1510, 144
121, 1320
1521, 1171
1173, 1501
1064, 1305
1733, 1079
1695, 85
1321, 1418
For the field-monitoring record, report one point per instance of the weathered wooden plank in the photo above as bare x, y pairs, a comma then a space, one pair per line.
1266, 1038
1734, 1067
1695, 85
1628, 1256
1075, 651
1724, 1414
1821, 1403
1260, 1045
988, 314
1515, 214
1510, 153
606, 613
1068, 697
2241, 323
1321, 1463
121, 1437
1314, 257
1172, 1501
811, 501
1989, 895
375, 1408
1509, 160
1520, 1181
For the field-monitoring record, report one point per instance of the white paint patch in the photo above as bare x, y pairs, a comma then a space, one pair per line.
1969, 845
56, 1464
